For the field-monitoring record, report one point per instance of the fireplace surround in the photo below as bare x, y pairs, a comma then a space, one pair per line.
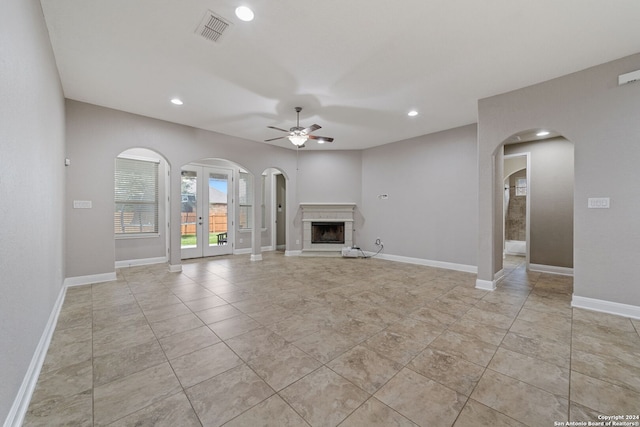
326, 227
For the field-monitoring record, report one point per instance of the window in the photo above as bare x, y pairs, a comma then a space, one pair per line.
245, 201
136, 196
521, 187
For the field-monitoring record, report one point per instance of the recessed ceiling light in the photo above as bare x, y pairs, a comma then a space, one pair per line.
244, 13
412, 113
542, 133
177, 101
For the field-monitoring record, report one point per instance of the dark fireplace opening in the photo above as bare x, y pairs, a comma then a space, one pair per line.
327, 232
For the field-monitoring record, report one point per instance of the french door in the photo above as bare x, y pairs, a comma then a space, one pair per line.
206, 226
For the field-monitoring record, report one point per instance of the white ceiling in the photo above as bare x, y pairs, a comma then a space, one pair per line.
355, 66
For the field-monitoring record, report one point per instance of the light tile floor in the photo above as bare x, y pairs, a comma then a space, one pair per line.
293, 341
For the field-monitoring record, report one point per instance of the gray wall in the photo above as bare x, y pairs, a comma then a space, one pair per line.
95, 135
328, 177
31, 189
601, 119
551, 199
431, 183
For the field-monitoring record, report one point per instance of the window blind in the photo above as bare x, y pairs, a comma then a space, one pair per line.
136, 196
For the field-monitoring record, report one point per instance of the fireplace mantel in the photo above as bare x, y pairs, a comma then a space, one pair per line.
326, 212
330, 207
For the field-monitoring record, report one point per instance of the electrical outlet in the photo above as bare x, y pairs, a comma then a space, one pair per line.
378, 242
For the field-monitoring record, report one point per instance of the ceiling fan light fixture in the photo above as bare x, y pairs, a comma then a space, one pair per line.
298, 139
298, 135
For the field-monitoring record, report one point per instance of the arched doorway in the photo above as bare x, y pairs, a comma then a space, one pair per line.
516, 205
274, 208
549, 191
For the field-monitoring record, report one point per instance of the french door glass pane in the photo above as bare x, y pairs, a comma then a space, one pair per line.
218, 191
189, 219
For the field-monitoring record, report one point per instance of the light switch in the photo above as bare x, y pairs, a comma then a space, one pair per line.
82, 204
598, 203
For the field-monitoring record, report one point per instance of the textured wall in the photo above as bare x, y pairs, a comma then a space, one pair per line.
600, 118
431, 183
31, 189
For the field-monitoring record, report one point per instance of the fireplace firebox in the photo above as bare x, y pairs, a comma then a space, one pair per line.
327, 232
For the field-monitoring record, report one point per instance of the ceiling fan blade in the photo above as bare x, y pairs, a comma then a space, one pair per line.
321, 138
273, 127
311, 128
273, 139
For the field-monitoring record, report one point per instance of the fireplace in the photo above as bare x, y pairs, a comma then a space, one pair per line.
327, 232
327, 228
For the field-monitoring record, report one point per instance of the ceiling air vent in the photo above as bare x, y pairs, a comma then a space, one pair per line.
212, 26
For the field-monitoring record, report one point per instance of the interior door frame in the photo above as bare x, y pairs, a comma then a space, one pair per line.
527, 155
276, 226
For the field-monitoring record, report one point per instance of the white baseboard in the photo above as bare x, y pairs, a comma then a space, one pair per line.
92, 278
175, 268
486, 285
20, 405
246, 251
428, 262
551, 269
144, 261
407, 260
625, 310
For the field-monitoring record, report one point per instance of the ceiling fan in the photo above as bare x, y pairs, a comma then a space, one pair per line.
299, 135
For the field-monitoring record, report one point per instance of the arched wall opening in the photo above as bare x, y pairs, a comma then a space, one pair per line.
550, 200
141, 210
274, 208
593, 112
217, 208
